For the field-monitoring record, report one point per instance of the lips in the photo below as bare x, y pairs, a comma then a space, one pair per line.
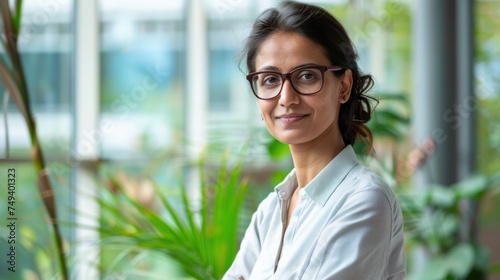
291, 118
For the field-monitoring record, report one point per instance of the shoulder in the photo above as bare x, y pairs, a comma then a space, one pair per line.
363, 180
269, 202
364, 193
267, 207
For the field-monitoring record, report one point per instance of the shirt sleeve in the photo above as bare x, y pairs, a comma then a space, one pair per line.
356, 243
250, 247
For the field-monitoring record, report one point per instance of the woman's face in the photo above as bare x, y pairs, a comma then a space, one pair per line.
293, 118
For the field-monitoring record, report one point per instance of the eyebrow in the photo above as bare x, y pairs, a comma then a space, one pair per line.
268, 68
274, 68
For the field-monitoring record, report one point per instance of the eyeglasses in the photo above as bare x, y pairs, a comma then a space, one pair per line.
305, 80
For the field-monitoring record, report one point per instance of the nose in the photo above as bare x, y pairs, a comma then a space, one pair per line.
288, 95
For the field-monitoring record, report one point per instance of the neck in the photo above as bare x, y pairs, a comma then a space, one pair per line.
310, 158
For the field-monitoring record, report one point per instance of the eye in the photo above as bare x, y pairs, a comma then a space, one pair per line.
307, 76
269, 80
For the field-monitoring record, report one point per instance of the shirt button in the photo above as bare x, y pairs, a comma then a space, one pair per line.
282, 194
302, 193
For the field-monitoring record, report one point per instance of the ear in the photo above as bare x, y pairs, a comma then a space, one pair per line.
345, 86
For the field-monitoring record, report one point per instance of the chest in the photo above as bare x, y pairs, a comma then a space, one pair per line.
289, 244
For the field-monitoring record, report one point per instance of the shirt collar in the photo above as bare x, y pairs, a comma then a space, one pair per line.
326, 182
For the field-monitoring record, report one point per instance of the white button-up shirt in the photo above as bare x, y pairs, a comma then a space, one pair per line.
347, 225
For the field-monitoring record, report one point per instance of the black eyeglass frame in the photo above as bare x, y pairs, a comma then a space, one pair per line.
285, 76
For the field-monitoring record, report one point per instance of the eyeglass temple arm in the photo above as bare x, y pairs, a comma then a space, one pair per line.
335, 68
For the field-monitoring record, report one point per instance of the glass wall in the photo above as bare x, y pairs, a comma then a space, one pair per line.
142, 94
45, 43
141, 73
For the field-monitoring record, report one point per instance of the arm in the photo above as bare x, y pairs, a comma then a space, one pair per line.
250, 247
356, 244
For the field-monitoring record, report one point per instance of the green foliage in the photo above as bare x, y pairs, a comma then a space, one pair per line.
277, 151
433, 220
488, 125
495, 269
203, 241
390, 119
486, 31
457, 264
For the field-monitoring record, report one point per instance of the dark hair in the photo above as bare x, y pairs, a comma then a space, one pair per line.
321, 27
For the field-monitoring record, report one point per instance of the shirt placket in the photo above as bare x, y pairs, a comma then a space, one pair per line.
285, 201
287, 234
294, 222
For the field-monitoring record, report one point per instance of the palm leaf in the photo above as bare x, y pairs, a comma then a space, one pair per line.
203, 242
11, 48
139, 228
17, 18
13, 89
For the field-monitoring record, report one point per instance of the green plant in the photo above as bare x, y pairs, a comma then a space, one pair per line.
13, 78
432, 222
200, 236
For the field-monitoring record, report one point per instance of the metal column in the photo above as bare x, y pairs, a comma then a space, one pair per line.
435, 89
443, 99
466, 149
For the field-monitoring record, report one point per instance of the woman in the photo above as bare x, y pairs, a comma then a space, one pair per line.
331, 218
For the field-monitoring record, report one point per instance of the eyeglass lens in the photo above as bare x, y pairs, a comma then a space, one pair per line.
305, 81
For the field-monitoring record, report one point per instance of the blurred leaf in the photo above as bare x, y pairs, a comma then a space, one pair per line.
482, 258
473, 187
387, 121
361, 148
385, 129
411, 204
17, 16
442, 196
460, 260
13, 89
278, 177
458, 263
494, 269
447, 226
277, 150
391, 115
436, 269
400, 97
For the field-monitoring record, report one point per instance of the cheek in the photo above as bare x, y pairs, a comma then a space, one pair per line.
329, 104
328, 109
266, 107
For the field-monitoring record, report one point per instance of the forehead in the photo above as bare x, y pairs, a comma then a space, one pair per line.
288, 50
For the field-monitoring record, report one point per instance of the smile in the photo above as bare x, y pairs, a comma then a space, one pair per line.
291, 118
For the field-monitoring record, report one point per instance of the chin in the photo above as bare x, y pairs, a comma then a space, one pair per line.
291, 139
